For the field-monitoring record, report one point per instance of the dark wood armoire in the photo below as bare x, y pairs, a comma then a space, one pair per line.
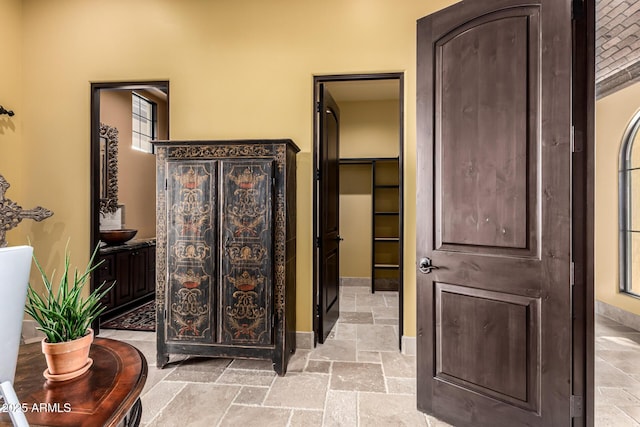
226, 249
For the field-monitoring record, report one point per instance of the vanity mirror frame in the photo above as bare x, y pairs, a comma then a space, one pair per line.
108, 169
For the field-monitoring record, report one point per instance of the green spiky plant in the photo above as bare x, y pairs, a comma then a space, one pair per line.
63, 315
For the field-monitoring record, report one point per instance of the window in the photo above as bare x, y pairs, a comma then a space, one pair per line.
629, 192
144, 123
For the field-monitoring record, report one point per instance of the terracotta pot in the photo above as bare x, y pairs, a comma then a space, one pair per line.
66, 358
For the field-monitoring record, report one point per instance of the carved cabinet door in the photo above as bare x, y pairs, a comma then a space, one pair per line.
191, 236
246, 292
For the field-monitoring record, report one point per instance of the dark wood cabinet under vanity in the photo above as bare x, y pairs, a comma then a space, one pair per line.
226, 246
132, 267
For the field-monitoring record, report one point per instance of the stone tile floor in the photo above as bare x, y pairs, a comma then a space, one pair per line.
357, 378
617, 376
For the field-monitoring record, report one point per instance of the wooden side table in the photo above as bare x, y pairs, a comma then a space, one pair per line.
108, 394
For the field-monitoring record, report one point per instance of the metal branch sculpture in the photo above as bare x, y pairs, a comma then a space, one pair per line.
11, 214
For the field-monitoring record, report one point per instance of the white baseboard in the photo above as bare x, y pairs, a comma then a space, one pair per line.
619, 315
408, 345
304, 340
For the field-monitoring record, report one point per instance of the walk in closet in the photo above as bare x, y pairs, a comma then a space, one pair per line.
380, 179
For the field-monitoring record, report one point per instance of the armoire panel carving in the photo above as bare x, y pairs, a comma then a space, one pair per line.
247, 265
191, 190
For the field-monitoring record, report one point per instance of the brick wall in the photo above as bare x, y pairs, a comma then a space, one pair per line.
617, 44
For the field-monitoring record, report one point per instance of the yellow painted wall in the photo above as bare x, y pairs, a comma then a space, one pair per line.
367, 129
237, 69
355, 220
136, 169
12, 153
613, 114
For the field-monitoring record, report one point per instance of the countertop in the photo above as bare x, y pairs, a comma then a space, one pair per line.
131, 244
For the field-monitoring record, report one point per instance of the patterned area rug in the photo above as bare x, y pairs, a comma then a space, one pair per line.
142, 318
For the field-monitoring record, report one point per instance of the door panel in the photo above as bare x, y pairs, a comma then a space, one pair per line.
331, 267
139, 269
124, 288
484, 340
481, 183
329, 207
494, 213
246, 202
192, 213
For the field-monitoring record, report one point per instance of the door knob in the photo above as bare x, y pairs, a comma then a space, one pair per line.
339, 239
425, 266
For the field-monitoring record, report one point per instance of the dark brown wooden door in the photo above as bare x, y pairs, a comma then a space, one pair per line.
123, 286
328, 220
106, 272
494, 213
139, 260
151, 273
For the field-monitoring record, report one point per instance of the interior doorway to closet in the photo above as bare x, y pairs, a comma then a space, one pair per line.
358, 197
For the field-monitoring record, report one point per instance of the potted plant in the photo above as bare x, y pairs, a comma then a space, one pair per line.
65, 317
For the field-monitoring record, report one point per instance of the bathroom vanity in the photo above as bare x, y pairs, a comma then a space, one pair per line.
132, 266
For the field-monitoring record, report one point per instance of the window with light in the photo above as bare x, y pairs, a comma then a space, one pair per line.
629, 191
144, 123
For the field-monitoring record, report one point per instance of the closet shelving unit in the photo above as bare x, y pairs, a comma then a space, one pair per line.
386, 223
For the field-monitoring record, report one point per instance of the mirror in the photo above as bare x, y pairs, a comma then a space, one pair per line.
108, 169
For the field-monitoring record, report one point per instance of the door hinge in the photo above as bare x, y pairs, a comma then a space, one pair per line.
318, 241
317, 310
573, 139
317, 174
577, 409
166, 184
572, 274
318, 107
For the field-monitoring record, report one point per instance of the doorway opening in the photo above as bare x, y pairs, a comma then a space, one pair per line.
124, 117
358, 199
